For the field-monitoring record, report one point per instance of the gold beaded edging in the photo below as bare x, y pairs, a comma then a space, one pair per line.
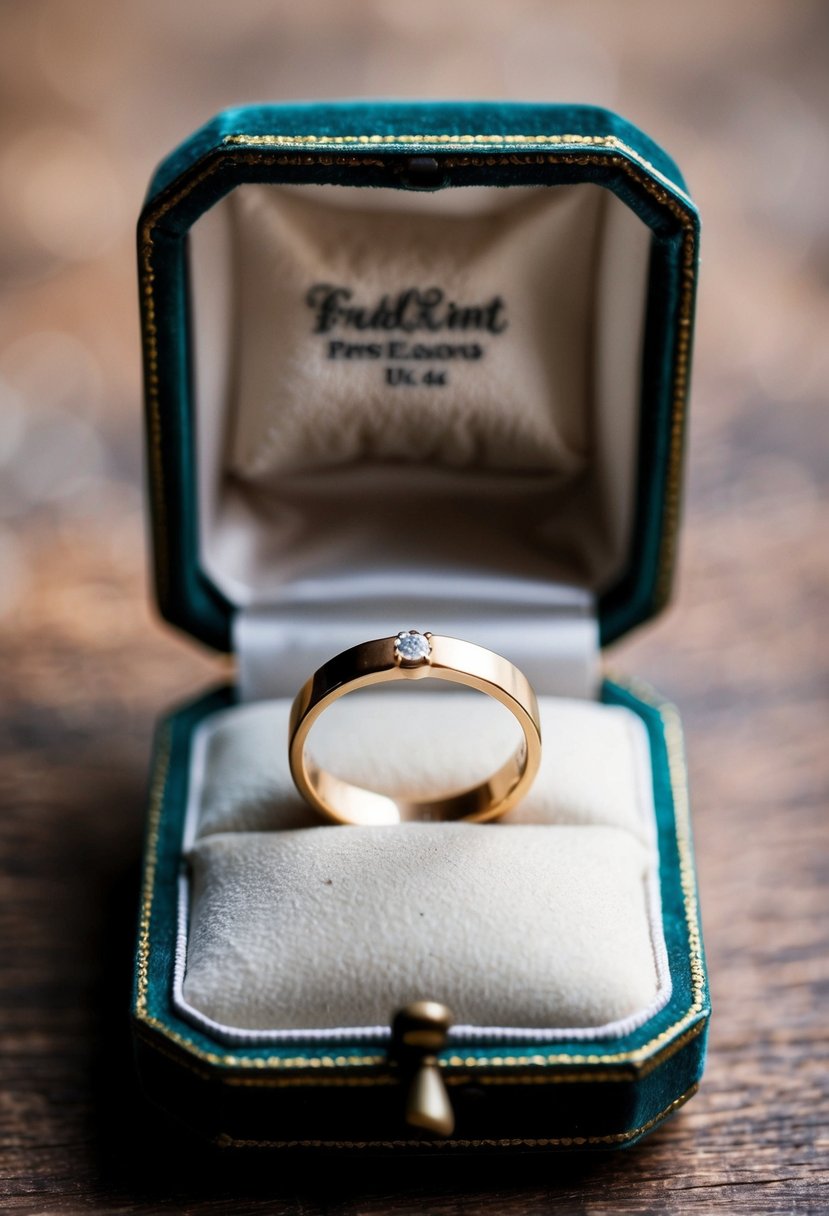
443, 141
640, 1061
157, 787
614, 1138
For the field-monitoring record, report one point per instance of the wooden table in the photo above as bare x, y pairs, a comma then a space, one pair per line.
86, 669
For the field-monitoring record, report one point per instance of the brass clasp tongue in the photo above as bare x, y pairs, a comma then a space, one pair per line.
418, 1033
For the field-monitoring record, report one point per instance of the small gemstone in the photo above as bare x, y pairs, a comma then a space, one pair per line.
412, 646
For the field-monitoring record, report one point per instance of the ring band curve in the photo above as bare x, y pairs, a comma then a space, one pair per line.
411, 655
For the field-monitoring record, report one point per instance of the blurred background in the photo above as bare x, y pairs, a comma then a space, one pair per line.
95, 92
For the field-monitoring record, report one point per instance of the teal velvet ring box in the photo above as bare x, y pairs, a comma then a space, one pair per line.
418, 366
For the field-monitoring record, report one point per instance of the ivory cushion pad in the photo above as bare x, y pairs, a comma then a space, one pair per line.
548, 918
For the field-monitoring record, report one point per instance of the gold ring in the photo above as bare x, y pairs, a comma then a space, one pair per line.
413, 656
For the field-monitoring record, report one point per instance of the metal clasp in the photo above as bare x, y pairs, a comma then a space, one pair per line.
418, 1033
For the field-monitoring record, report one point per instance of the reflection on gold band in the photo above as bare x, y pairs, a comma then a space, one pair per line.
432, 657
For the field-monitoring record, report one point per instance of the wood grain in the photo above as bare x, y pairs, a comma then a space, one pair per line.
732, 90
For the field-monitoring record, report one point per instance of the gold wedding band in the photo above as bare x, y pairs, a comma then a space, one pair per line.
413, 656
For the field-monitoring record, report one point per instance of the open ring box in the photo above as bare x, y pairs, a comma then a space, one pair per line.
418, 366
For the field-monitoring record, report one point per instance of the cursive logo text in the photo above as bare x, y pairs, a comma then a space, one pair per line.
409, 311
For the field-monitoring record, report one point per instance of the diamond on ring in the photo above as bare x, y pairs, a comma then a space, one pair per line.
411, 646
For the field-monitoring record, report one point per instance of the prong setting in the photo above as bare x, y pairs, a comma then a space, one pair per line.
412, 648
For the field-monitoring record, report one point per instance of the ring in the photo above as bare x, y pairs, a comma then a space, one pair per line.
413, 656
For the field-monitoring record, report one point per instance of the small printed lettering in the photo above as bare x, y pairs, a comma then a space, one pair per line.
399, 350
397, 376
354, 350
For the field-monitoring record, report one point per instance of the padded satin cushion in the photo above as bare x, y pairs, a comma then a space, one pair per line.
530, 926
547, 919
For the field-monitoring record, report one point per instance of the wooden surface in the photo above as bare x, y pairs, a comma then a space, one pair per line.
92, 94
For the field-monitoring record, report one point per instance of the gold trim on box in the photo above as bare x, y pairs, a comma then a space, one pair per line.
620, 156
640, 1061
613, 1138
443, 141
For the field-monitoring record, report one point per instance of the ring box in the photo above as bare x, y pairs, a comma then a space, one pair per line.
418, 365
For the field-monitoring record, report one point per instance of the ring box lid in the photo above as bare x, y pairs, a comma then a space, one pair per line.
430, 151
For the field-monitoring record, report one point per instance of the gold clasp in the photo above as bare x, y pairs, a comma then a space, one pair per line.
418, 1033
